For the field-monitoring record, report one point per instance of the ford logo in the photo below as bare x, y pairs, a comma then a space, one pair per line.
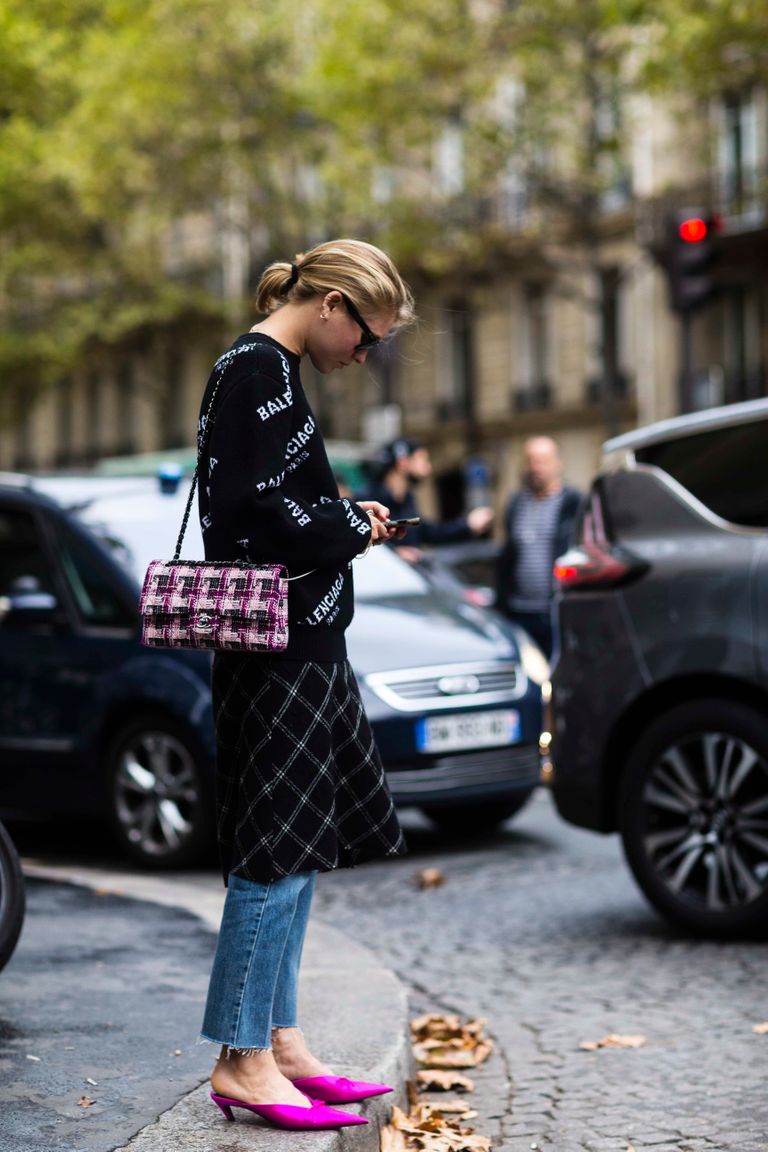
458, 685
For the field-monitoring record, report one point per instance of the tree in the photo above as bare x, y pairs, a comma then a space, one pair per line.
117, 119
706, 47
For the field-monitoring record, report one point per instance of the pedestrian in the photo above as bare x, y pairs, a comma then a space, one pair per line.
402, 466
300, 785
538, 524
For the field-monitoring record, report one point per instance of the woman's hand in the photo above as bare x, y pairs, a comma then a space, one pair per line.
377, 513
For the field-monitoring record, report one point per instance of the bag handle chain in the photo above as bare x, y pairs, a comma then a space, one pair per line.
201, 445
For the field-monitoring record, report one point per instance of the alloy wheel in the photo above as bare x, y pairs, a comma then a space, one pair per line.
157, 794
705, 821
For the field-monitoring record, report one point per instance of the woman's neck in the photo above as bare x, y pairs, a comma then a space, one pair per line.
287, 325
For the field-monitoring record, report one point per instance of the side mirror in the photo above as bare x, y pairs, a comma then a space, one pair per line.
28, 601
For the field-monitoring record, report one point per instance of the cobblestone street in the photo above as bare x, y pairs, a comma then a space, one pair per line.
541, 930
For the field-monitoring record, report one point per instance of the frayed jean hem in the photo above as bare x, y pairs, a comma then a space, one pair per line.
231, 1049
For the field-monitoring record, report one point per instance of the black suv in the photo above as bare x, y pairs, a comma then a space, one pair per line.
660, 692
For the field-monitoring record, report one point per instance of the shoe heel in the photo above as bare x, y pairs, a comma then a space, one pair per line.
223, 1105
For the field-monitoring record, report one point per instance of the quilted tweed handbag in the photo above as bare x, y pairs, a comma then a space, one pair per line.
227, 605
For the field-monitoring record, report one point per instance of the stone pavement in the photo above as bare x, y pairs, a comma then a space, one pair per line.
115, 950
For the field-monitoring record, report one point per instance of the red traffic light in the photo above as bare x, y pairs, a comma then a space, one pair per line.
693, 230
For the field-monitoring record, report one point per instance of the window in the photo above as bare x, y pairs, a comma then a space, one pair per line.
65, 405
739, 159
743, 328
454, 363
24, 566
91, 581
93, 412
534, 389
725, 468
448, 160
126, 407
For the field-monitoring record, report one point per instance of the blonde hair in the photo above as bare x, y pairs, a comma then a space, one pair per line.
361, 271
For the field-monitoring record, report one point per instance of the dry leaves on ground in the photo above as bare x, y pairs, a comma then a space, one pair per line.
761, 1029
448, 1042
435, 1126
426, 1130
613, 1041
439, 1080
430, 878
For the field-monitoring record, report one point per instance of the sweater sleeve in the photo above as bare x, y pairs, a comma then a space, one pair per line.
254, 448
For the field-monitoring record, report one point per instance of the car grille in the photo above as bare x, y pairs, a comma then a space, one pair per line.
499, 767
448, 686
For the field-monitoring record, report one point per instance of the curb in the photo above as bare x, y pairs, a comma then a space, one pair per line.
353, 1010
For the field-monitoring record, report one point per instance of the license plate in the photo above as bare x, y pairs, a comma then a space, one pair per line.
468, 730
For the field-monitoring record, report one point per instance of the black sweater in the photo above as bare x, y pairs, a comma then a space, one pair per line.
267, 492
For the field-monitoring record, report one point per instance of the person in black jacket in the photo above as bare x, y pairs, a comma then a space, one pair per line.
402, 465
300, 784
538, 523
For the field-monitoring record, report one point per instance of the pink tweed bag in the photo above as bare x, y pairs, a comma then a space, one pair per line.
228, 605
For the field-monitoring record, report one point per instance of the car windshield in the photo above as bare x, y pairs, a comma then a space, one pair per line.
141, 526
383, 573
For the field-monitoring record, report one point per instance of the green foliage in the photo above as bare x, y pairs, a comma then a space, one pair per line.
707, 47
123, 120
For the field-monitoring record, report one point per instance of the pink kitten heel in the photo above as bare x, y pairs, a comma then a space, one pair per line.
318, 1115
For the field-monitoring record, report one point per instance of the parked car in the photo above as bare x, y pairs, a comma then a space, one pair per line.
469, 567
660, 692
91, 723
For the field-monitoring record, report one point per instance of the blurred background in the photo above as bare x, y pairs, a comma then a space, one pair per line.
532, 165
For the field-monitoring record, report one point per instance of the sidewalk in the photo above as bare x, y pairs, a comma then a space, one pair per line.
353, 1011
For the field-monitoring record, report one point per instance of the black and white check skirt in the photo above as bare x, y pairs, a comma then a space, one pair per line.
300, 784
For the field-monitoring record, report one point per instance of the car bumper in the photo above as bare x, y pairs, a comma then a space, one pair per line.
492, 773
596, 677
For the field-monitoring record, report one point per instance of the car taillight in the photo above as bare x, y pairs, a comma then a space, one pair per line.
590, 565
595, 560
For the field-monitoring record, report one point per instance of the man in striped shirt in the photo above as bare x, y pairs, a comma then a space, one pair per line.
539, 521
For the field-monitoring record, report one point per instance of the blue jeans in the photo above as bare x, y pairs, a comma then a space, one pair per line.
255, 977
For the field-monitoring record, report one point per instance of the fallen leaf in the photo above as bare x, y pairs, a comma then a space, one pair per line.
454, 1107
761, 1029
424, 1129
612, 1040
452, 1054
85, 1102
392, 1140
449, 1042
443, 1081
430, 878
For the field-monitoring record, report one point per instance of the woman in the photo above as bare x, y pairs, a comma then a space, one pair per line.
300, 786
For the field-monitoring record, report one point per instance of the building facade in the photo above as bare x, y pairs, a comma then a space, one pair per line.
542, 336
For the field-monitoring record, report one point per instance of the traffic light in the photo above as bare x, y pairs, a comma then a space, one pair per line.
691, 258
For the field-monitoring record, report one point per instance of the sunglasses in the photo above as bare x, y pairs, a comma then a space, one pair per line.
370, 339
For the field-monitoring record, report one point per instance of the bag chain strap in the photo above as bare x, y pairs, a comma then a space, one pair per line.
202, 442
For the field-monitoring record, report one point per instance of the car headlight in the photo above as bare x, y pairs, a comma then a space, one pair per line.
533, 660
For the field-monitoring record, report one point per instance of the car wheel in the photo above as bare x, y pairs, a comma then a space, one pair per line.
12, 899
472, 819
158, 793
694, 817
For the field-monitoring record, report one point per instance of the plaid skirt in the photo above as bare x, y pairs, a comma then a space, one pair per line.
300, 785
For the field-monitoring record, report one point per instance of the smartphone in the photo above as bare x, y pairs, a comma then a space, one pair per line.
407, 523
